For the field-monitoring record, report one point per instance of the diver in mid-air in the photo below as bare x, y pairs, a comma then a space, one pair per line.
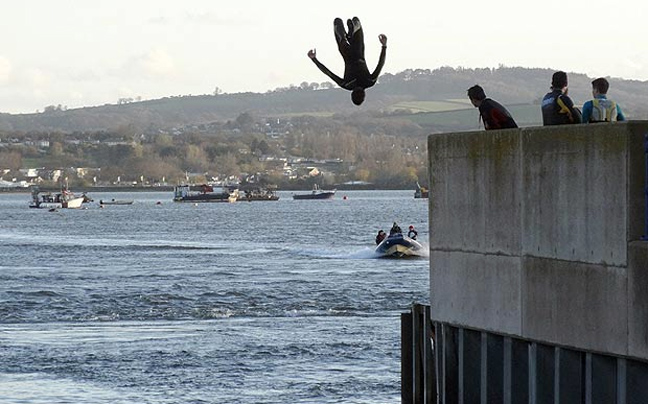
351, 45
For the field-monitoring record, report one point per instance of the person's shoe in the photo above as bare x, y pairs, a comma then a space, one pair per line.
354, 25
338, 29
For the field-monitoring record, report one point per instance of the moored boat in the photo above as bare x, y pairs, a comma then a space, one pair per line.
316, 193
398, 245
421, 192
116, 202
183, 193
57, 200
258, 194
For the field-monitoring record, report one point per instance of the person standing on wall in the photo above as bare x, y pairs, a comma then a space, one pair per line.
601, 109
557, 107
491, 112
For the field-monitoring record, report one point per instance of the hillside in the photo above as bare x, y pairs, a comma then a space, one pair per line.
433, 99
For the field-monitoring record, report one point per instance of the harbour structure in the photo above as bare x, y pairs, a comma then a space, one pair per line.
538, 268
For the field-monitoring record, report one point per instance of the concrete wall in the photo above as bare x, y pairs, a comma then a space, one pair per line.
534, 233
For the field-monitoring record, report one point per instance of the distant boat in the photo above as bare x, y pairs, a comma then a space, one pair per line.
421, 192
58, 200
316, 193
258, 194
116, 202
87, 198
183, 193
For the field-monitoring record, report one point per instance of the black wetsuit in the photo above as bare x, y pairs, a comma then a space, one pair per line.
412, 234
558, 109
395, 230
351, 46
495, 116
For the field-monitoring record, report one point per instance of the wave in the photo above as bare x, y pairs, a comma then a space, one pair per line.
79, 241
357, 254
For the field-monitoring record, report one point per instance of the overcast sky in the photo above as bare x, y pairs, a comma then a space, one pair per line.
83, 53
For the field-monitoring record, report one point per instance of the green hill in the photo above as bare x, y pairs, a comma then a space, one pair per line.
434, 99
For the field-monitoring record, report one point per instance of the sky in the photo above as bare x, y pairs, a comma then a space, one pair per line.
77, 53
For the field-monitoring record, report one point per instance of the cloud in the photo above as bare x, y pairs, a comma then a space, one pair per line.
5, 69
159, 20
76, 96
214, 19
38, 78
155, 63
158, 62
199, 18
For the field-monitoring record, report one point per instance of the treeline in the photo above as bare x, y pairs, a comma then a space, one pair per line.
367, 149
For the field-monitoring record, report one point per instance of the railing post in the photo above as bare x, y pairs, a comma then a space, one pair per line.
645, 235
418, 371
407, 359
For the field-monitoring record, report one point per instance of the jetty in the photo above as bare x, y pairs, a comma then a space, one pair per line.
538, 268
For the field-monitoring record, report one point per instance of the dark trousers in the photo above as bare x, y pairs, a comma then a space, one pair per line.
351, 44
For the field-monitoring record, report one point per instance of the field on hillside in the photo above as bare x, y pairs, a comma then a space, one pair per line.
438, 118
431, 106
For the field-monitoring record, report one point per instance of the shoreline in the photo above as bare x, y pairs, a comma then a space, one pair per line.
169, 188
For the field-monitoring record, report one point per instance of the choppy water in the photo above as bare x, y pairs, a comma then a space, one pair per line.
262, 302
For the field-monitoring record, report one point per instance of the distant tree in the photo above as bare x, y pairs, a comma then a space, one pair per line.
156, 169
259, 147
227, 165
195, 158
163, 140
244, 120
362, 174
11, 160
55, 149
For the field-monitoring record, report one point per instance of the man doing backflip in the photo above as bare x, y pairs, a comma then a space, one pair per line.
351, 45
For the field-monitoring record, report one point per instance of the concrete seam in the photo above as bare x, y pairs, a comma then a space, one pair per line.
502, 254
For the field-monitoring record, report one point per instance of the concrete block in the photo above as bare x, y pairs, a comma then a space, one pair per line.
575, 304
574, 193
636, 180
475, 202
638, 299
476, 290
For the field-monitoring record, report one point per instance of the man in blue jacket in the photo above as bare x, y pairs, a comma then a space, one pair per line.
601, 109
557, 107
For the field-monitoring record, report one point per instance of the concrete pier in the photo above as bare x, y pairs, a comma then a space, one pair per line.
538, 269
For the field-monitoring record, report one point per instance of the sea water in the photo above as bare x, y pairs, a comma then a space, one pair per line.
163, 302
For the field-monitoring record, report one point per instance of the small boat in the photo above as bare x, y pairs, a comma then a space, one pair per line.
86, 198
421, 192
399, 246
316, 193
59, 200
183, 193
258, 194
116, 202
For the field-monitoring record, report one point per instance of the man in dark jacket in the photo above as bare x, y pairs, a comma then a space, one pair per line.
491, 112
380, 236
557, 107
395, 230
351, 45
